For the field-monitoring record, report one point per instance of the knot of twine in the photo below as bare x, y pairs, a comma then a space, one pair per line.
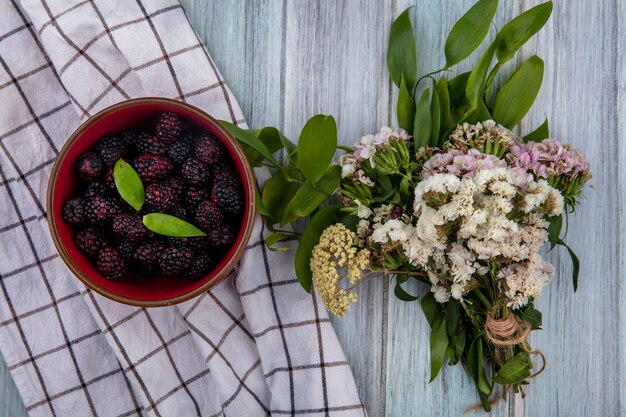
503, 333
507, 332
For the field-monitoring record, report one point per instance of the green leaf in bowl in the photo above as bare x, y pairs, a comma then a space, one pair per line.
128, 184
167, 225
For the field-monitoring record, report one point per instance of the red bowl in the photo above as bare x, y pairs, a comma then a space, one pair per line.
133, 290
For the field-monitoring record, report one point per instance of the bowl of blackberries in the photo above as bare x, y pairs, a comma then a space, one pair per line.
151, 202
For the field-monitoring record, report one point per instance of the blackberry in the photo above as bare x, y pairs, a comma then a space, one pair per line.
180, 212
109, 178
146, 257
200, 268
111, 148
208, 215
175, 260
228, 198
225, 174
129, 136
168, 127
90, 166
195, 196
152, 167
199, 244
129, 228
100, 210
195, 172
73, 211
110, 263
97, 188
221, 237
177, 184
208, 149
89, 241
127, 250
148, 143
180, 151
160, 197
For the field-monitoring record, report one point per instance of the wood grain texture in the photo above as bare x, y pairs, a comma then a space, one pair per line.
288, 60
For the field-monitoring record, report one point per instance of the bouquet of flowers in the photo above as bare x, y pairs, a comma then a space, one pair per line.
452, 198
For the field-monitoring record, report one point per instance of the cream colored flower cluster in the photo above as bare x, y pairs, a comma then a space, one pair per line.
334, 259
462, 227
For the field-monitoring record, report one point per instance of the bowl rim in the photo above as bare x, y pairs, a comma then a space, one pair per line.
248, 219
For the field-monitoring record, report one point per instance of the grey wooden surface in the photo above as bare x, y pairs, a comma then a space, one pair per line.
288, 60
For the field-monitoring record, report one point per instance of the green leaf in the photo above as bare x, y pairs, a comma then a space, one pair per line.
476, 80
575, 264
272, 138
400, 292
401, 53
249, 139
515, 370
316, 146
476, 367
431, 308
128, 184
515, 33
438, 346
310, 238
167, 225
479, 114
539, 134
423, 121
443, 93
276, 194
260, 207
435, 112
457, 87
469, 31
554, 230
405, 108
276, 237
518, 94
532, 316
309, 196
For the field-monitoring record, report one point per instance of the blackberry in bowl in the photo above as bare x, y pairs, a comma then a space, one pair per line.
181, 225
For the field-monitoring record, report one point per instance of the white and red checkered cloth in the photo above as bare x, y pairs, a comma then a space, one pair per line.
255, 345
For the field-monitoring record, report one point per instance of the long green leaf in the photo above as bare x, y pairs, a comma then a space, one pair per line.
476, 80
517, 32
128, 184
438, 346
476, 367
554, 230
469, 31
431, 308
251, 140
401, 53
518, 94
276, 194
309, 196
310, 238
405, 108
444, 103
515, 370
423, 121
575, 264
167, 225
399, 292
456, 88
539, 134
316, 146
435, 113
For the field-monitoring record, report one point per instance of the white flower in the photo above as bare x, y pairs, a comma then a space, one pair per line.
441, 294
457, 291
393, 230
359, 176
362, 212
362, 228
439, 183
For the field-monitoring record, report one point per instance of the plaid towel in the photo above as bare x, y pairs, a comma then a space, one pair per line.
254, 345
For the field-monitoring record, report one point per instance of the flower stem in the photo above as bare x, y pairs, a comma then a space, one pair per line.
483, 299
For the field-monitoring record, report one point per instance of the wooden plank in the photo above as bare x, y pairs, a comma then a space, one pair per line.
583, 336
334, 64
245, 39
11, 403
